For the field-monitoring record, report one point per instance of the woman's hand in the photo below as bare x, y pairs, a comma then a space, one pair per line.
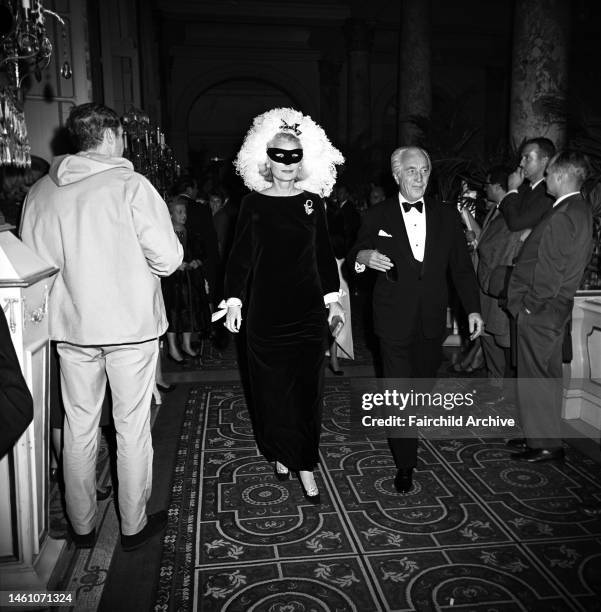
372, 258
233, 318
335, 309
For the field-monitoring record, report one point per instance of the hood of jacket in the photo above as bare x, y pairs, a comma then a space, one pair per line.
69, 169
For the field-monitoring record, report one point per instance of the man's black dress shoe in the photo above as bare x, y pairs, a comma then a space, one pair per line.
156, 523
536, 455
165, 388
403, 481
86, 540
517, 443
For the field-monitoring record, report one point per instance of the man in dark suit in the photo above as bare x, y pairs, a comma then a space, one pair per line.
497, 246
412, 242
16, 405
540, 296
527, 200
202, 236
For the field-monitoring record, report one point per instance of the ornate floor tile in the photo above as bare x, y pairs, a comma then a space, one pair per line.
273, 537
533, 501
228, 423
248, 514
498, 578
477, 532
319, 585
576, 566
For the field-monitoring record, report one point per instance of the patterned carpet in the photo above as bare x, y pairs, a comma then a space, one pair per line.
477, 532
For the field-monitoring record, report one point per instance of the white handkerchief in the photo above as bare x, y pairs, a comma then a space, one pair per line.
385, 234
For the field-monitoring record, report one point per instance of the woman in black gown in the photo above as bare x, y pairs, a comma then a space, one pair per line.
282, 238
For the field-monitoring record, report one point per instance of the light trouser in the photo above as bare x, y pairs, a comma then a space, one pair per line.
130, 369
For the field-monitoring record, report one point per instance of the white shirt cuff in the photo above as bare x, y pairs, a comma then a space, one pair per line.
223, 306
328, 298
359, 267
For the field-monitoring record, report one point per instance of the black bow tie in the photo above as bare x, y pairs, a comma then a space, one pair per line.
419, 205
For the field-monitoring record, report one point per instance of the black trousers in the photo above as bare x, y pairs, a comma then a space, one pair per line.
414, 358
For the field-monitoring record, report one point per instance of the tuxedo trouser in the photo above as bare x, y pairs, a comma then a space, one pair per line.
416, 357
130, 369
540, 380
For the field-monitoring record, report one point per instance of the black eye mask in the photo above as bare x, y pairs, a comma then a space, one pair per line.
285, 156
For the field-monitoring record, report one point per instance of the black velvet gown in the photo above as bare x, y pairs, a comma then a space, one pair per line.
284, 242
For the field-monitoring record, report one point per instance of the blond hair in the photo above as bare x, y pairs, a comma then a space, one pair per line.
320, 157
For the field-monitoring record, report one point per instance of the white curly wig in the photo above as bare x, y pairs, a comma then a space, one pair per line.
319, 155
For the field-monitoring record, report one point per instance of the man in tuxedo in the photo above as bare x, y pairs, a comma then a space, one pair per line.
527, 200
412, 242
540, 296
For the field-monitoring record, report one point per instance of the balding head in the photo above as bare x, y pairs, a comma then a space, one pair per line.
411, 169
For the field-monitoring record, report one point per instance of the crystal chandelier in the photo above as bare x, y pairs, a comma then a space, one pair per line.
24, 49
24, 45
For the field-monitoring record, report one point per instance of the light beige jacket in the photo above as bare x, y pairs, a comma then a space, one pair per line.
108, 232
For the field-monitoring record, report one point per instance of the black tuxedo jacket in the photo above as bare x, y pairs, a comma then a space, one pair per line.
524, 209
16, 405
550, 265
420, 294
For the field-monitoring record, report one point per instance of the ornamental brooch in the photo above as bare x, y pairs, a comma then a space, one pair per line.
309, 206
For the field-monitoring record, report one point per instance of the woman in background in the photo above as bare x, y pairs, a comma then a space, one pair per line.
184, 292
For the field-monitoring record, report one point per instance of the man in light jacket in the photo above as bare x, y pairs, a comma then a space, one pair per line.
108, 232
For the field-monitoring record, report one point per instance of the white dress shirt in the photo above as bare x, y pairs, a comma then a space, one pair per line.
563, 197
533, 186
415, 224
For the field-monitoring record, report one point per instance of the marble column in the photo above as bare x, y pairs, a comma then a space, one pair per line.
359, 39
415, 84
539, 77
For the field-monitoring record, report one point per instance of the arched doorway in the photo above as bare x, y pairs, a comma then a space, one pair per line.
221, 115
